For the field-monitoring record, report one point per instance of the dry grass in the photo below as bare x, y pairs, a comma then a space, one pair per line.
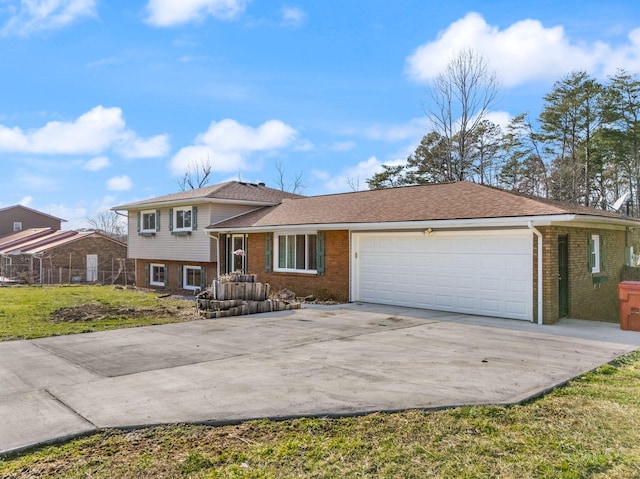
587, 429
35, 312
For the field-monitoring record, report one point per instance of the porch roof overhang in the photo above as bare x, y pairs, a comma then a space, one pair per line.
480, 223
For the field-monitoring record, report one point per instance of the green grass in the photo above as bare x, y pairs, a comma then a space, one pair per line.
588, 429
35, 312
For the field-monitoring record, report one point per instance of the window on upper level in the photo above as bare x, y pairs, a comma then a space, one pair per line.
149, 221
17, 226
183, 219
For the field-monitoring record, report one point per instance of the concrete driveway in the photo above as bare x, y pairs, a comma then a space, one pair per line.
325, 361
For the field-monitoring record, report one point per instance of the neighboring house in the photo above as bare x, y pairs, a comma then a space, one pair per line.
48, 256
167, 236
18, 218
458, 247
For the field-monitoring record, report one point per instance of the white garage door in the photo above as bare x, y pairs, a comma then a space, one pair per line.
476, 272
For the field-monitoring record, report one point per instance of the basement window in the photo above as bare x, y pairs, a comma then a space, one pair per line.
158, 275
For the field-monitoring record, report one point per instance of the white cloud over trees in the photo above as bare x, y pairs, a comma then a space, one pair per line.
523, 52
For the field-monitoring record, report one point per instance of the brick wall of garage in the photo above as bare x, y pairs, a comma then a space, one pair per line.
333, 284
588, 298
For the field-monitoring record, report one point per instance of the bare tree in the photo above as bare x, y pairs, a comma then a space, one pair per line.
295, 186
110, 223
354, 183
462, 96
197, 175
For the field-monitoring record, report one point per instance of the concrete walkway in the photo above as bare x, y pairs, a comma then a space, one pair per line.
324, 361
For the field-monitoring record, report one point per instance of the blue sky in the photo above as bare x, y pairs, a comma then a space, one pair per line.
107, 102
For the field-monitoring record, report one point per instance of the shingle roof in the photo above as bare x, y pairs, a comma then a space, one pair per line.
7, 208
449, 201
231, 190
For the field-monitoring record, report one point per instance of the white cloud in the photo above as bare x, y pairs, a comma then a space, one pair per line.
352, 177
119, 183
39, 15
91, 133
293, 17
26, 201
414, 128
227, 145
166, 13
524, 51
134, 147
96, 164
75, 216
343, 146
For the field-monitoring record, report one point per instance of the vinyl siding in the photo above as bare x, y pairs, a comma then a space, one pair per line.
196, 247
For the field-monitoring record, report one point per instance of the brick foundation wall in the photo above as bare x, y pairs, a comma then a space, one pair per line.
333, 284
172, 274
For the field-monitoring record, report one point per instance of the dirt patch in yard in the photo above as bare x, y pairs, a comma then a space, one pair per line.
96, 312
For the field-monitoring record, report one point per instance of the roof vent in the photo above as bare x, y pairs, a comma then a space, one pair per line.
261, 184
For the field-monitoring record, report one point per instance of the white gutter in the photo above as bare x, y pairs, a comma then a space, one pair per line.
540, 304
511, 222
190, 202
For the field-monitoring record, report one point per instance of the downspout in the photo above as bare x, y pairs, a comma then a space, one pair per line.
540, 303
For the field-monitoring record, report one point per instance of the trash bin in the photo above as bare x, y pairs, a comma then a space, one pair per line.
629, 296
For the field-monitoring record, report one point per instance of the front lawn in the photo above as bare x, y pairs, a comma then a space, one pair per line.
588, 429
28, 312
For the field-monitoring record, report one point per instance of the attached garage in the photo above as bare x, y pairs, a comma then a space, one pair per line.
483, 272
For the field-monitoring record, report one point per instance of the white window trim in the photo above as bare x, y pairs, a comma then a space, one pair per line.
276, 252
149, 230
595, 239
17, 226
175, 219
185, 269
157, 265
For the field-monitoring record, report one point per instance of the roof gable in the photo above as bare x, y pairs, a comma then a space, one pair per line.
446, 201
231, 191
30, 210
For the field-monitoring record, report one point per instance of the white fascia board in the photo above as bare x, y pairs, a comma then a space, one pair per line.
512, 222
189, 202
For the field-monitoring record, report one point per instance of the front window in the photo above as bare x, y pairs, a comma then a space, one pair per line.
192, 277
158, 275
148, 221
182, 220
296, 252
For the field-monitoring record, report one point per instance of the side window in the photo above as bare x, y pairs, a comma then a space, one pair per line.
17, 226
595, 260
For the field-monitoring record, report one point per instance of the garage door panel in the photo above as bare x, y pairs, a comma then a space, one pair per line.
480, 273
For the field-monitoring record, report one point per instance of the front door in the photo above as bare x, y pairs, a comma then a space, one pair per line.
563, 276
237, 254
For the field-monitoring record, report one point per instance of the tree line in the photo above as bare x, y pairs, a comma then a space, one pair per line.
583, 149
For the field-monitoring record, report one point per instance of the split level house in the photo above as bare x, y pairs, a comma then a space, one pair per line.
460, 247
168, 238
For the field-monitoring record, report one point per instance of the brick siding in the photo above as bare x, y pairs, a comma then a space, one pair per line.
333, 284
173, 280
591, 296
